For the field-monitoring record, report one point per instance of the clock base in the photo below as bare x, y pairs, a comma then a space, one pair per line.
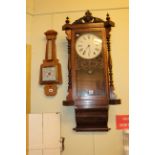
91, 129
91, 119
114, 101
68, 103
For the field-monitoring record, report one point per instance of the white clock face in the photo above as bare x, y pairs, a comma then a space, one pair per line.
88, 45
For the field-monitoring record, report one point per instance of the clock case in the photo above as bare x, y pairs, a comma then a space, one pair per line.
50, 61
91, 111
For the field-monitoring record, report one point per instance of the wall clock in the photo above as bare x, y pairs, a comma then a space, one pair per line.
90, 71
50, 70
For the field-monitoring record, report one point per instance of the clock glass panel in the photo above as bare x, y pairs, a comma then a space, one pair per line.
90, 84
90, 79
49, 54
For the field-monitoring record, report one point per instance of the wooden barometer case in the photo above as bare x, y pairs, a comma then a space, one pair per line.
90, 71
50, 70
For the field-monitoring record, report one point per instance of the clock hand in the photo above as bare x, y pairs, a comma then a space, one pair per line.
89, 51
85, 50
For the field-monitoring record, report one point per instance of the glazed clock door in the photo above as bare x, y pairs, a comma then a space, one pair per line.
90, 73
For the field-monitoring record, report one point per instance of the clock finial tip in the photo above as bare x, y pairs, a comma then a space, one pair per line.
108, 17
67, 20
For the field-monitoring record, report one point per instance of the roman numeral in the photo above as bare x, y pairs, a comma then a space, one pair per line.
96, 49
79, 45
81, 49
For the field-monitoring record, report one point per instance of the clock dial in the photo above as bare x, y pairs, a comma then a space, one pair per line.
88, 46
49, 73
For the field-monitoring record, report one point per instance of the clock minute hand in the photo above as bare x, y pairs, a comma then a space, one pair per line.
85, 49
89, 51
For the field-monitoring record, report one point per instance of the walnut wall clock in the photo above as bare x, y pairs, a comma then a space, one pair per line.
90, 72
50, 70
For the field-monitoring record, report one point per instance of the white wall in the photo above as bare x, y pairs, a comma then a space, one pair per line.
29, 17
51, 14
51, 6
